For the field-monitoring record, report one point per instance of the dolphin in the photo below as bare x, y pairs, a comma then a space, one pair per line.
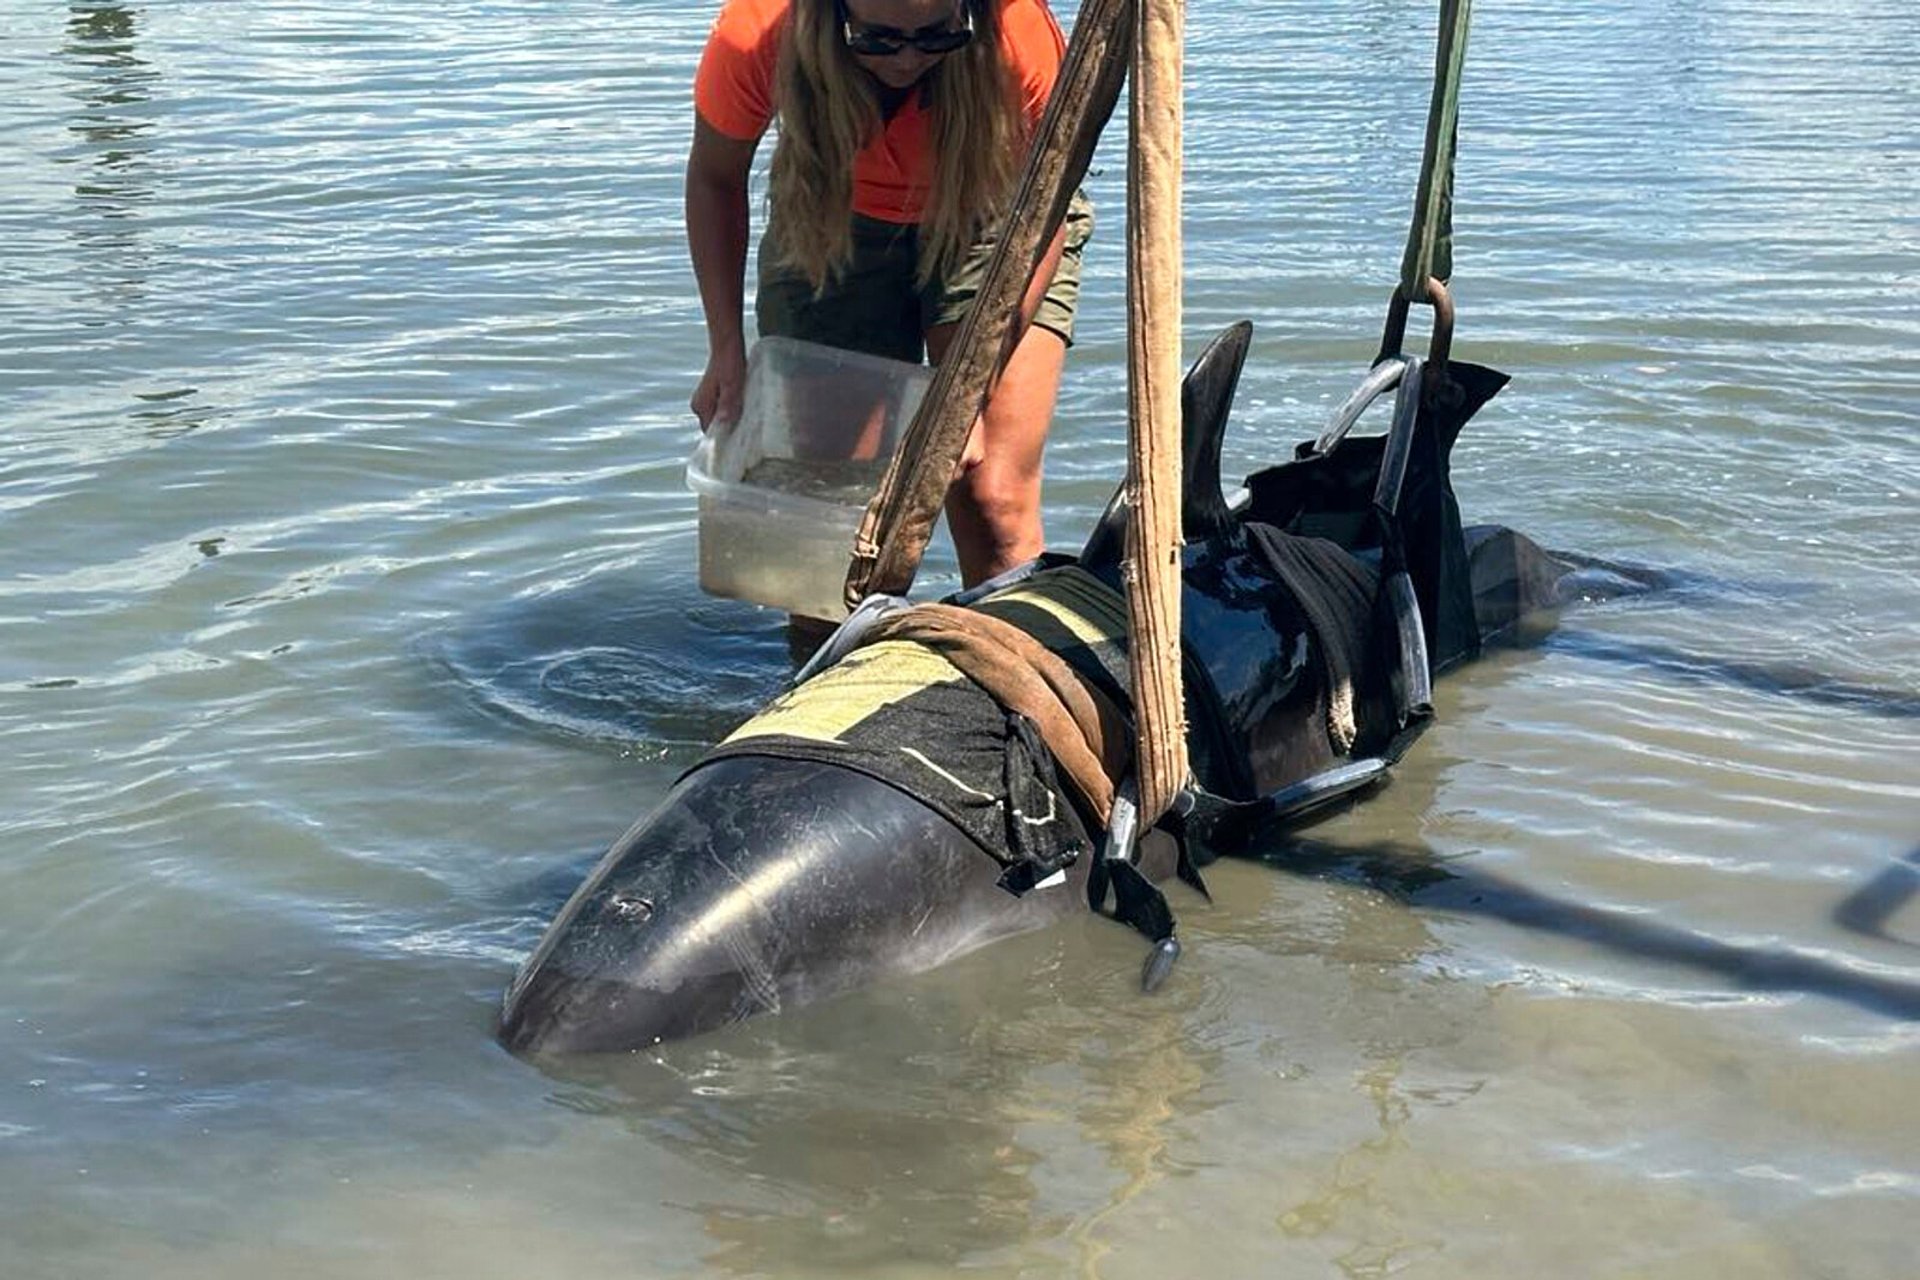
762, 882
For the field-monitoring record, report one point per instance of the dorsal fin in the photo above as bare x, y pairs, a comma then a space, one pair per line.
1206, 397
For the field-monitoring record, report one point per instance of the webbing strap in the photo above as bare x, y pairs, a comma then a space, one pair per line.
1083, 728
1336, 593
1430, 239
1087, 736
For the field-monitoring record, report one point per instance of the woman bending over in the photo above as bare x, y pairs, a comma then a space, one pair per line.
903, 128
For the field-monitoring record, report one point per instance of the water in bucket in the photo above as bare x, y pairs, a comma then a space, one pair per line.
783, 489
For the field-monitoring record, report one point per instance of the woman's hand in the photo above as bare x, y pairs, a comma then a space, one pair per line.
722, 386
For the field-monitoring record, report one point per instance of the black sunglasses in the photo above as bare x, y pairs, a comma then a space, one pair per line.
884, 42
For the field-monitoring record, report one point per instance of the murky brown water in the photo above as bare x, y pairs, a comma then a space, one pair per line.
347, 611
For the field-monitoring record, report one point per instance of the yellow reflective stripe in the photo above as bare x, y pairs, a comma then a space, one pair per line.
1061, 608
1070, 601
871, 677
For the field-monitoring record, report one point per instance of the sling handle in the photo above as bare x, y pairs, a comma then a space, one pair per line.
1427, 264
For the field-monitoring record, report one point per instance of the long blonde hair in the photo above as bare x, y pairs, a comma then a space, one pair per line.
829, 108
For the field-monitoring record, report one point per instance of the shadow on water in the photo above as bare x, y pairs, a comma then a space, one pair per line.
655, 670
1598, 581
1787, 680
1419, 877
1868, 909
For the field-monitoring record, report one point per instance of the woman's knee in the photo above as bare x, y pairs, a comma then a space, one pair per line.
1000, 492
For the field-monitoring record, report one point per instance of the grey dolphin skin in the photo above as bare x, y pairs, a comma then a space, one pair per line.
763, 881
759, 884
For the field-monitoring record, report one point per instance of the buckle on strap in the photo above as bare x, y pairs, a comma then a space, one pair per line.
1137, 901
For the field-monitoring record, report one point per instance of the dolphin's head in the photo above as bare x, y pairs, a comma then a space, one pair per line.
758, 884
653, 946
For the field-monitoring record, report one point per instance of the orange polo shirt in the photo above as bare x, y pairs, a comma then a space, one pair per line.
734, 93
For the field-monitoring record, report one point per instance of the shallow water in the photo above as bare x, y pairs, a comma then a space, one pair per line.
347, 611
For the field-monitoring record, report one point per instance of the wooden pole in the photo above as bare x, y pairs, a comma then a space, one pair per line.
1152, 569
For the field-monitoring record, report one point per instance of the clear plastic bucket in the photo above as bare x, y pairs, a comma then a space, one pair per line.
783, 489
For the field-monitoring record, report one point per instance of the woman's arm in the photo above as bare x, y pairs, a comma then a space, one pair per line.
716, 212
